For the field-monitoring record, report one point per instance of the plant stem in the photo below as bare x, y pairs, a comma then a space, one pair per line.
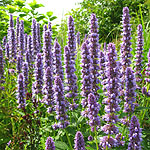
68, 139
96, 138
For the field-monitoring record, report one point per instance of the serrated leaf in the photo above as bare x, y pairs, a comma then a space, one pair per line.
49, 13
90, 148
61, 145
52, 18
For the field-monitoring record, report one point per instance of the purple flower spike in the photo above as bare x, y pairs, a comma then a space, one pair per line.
60, 103
29, 51
94, 50
135, 134
48, 89
7, 50
19, 64
21, 38
47, 48
4, 42
71, 78
1, 64
34, 37
58, 69
21, 91
78, 38
25, 42
93, 109
38, 38
11, 22
86, 74
50, 27
139, 52
130, 94
126, 44
50, 145
44, 27
79, 141
71, 38
25, 70
38, 75
17, 32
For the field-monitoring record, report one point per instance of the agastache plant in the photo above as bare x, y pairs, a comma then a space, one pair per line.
21, 38
47, 49
139, 52
58, 69
78, 38
38, 85
135, 134
21, 92
17, 32
30, 52
93, 110
7, 50
94, 50
71, 87
38, 38
112, 100
61, 104
86, 74
19, 63
126, 44
25, 42
130, 94
50, 145
79, 141
48, 90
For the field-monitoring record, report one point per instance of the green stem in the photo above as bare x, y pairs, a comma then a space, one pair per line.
96, 139
68, 139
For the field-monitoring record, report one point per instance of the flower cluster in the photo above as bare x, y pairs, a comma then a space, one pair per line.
38, 75
21, 91
130, 94
17, 33
79, 141
1, 64
25, 42
86, 74
21, 38
60, 104
78, 38
19, 63
94, 50
148, 68
7, 50
50, 145
48, 89
38, 38
112, 100
135, 135
47, 48
71, 88
58, 69
93, 110
139, 52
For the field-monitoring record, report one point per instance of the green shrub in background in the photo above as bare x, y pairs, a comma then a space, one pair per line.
26, 12
108, 13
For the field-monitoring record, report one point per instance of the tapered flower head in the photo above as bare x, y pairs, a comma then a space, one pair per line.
50, 145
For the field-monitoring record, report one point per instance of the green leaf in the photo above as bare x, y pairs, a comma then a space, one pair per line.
49, 13
52, 18
34, 5
61, 145
20, 3
11, 8
142, 108
90, 148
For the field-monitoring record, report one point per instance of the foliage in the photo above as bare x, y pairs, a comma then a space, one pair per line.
108, 13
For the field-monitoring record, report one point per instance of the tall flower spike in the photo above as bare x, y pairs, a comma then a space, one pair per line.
94, 50
139, 52
71, 87
50, 27
86, 74
19, 63
130, 94
34, 37
11, 22
112, 100
60, 103
148, 68
135, 134
7, 50
126, 44
58, 69
38, 37
38, 74
21, 38
4, 42
47, 49
29, 49
48, 89
1, 64
71, 38
79, 141
50, 145
17, 33
93, 109
25, 70
21, 91
25, 43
